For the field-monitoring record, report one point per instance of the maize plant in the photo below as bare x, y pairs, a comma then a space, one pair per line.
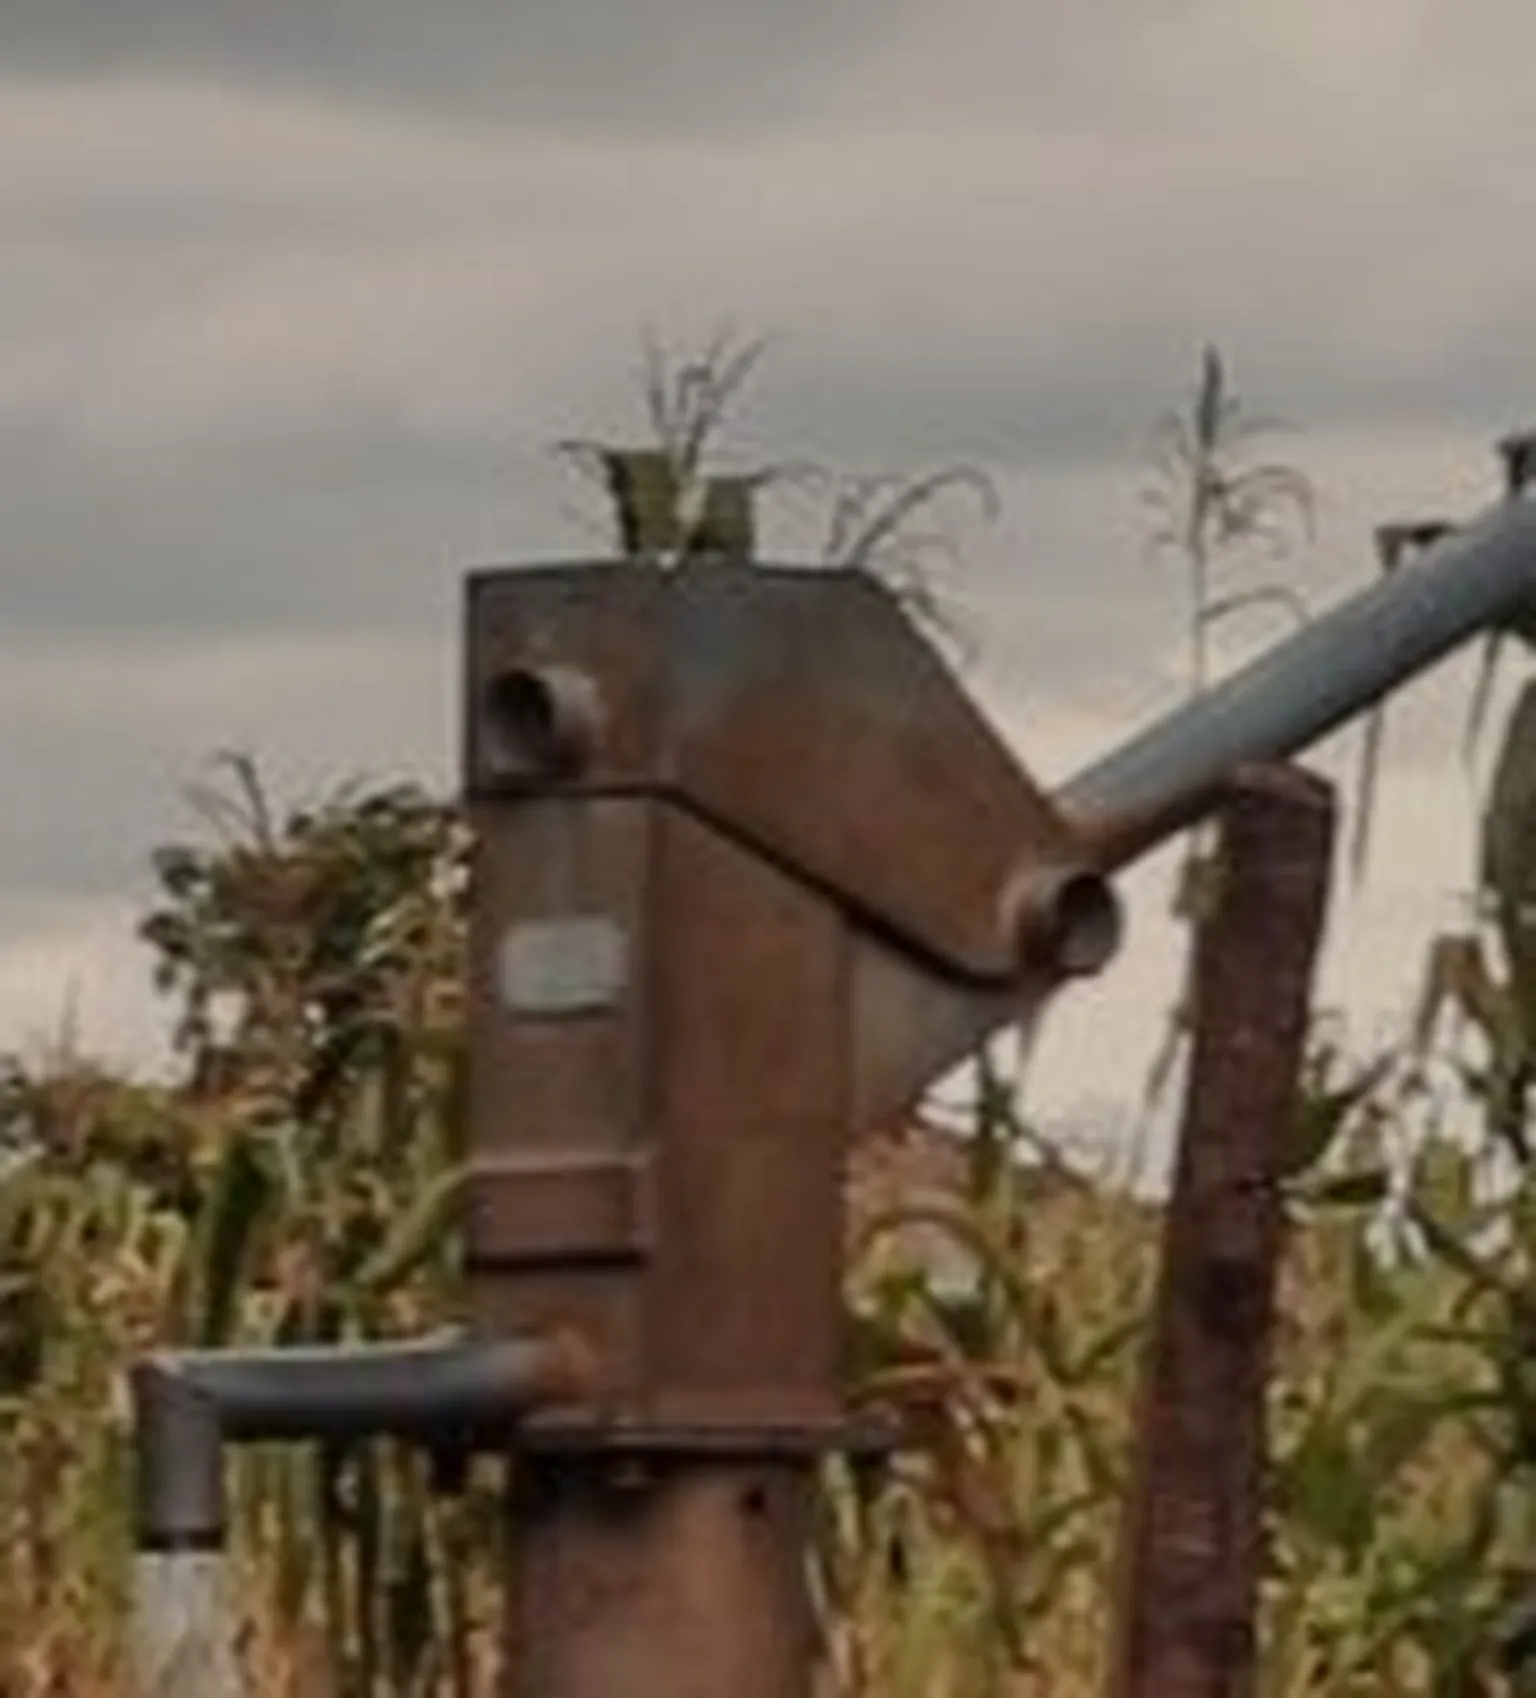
315, 962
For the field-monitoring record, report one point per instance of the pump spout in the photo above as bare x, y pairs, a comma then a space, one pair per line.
188, 1406
1478, 578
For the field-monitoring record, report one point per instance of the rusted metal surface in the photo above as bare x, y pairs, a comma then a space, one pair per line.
910, 1026
557, 1100
552, 1082
1193, 1544
650, 1194
673, 1581
748, 875
585, 1208
797, 710
750, 995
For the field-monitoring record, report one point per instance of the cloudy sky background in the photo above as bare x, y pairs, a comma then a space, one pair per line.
295, 296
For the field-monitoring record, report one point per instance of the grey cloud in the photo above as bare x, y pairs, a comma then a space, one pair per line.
1095, 401
303, 404
115, 734
281, 547
656, 65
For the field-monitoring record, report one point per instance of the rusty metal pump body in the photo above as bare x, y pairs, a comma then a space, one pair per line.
745, 879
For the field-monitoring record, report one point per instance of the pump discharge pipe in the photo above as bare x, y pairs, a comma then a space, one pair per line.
454, 1394
1475, 579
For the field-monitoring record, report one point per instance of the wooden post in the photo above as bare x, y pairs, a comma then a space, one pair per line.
1193, 1544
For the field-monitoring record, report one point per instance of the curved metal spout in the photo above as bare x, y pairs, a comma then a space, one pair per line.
188, 1406
1167, 777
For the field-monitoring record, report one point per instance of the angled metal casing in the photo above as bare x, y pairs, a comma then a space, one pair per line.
743, 852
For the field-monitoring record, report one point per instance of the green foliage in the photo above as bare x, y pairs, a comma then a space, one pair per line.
667, 499
1212, 503
296, 1185
300, 1182
997, 1524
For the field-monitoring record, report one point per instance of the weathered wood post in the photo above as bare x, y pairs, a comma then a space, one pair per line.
1194, 1536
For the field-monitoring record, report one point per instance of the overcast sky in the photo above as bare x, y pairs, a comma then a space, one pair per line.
293, 297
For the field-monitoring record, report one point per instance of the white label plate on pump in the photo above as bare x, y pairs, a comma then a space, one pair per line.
571, 965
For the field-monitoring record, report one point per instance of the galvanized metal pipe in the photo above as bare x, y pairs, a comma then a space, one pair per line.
189, 1405
185, 1627
1477, 579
